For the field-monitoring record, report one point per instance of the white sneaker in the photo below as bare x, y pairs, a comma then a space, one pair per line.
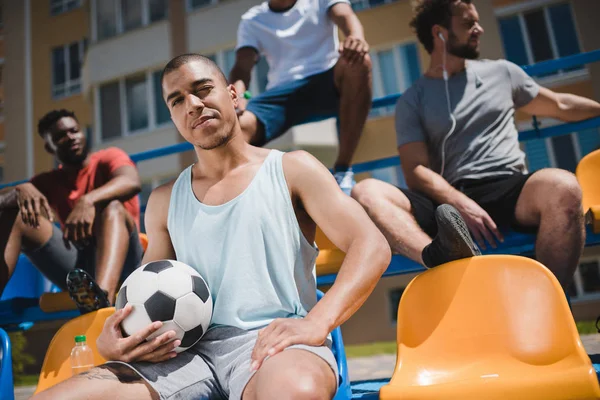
345, 180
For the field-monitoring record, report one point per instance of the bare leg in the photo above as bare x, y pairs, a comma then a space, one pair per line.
114, 225
14, 234
353, 81
390, 210
292, 374
551, 199
104, 382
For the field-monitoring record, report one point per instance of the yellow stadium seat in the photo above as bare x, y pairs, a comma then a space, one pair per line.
144, 240
330, 258
489, 327
588, 175
57, 363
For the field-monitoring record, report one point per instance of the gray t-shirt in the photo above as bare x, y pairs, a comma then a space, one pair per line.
483, 99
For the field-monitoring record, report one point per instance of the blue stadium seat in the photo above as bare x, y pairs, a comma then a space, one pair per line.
6, 375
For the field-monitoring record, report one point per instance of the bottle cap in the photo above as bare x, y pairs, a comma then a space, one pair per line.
80, 338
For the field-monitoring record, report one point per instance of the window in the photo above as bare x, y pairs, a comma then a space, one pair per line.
106, 18
258, 82
62, 6
114, 17
394, 70
394, 298
160, 108
358, 5
131, 12
540, 34
137, 109
158, 10
110, 110
131, 105
66, 69
194, 4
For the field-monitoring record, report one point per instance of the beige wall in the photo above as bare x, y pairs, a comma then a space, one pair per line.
48, 32
139, 50
222, 18
586, 14
14, 84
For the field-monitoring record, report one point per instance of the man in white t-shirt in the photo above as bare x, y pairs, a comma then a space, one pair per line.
310, 73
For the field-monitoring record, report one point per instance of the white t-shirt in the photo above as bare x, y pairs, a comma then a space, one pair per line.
296, 43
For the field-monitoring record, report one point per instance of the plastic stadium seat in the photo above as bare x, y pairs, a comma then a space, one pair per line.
337, 347
330, 258
588, 175
6, 374
144, 240
489, 327
56, 367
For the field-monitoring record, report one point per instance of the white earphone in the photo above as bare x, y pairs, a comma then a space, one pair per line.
451, 131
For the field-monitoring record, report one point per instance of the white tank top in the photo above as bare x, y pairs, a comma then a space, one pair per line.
250, 250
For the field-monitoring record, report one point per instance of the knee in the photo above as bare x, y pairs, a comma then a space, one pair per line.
567, 193
115, 209
365, 192
304, 384
358, 71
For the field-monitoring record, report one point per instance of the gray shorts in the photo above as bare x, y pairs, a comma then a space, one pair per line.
55, 258
217, 367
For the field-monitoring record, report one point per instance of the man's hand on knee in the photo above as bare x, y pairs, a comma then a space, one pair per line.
79, 223
285, 332
114, 347
32, 205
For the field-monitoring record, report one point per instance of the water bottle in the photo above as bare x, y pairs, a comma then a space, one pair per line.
82, 357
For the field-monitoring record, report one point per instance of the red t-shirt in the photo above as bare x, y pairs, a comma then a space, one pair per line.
63, 188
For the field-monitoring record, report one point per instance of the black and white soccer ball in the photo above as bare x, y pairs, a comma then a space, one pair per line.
168, 291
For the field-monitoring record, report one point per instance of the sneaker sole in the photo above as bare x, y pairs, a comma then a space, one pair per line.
85, 292
451, 222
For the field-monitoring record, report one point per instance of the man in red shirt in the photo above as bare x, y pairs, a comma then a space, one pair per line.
94, 196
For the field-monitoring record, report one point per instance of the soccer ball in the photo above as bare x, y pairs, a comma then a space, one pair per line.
168, 291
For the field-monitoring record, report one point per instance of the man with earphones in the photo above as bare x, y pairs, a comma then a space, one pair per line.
459, 145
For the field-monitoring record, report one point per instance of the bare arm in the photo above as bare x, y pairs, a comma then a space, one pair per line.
123, 185
245, 59
419, 177
354, 47
564, 106
349, 228
343, 16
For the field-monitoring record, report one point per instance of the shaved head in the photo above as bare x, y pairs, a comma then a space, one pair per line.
183, 59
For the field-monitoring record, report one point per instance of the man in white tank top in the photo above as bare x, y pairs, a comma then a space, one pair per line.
232, 361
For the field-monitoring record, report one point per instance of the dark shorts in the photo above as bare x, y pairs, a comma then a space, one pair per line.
497, 196
55, 258
292, 103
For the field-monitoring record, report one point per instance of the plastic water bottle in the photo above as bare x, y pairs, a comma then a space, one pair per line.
82, 357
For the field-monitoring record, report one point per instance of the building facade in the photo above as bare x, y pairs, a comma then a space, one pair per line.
102, 59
